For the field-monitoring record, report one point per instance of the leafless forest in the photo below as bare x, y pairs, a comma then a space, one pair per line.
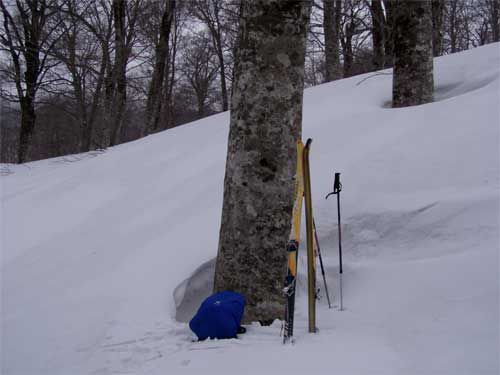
81, 75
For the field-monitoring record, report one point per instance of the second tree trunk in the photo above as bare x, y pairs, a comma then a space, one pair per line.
413, 81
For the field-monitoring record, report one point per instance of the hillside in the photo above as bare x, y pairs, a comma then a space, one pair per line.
94, 246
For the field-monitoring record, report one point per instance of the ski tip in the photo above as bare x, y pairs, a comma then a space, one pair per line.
308, 142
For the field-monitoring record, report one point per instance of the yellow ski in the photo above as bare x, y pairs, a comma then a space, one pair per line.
293, 246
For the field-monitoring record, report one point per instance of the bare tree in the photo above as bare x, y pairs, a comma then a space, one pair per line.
29, 35
210, 12
453, 13
354, 32
125, 16
200, 68
168, 110
154, 101
83, 51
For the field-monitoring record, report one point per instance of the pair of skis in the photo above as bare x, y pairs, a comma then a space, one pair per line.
302, 192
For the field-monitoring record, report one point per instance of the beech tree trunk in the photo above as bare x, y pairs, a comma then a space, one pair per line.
378, 28
437, 27
266, 117
413, 80
388, 33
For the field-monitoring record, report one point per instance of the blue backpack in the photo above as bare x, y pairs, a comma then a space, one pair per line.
219, 316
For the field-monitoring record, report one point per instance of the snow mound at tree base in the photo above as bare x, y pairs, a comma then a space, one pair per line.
191, 292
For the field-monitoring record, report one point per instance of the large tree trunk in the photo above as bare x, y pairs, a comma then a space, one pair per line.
413, 81
28, 118
331, 27
154, 101
388, 33
437, 27
378, 31
266, 117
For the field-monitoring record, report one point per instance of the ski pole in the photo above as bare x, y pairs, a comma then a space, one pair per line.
337, 188
321, 264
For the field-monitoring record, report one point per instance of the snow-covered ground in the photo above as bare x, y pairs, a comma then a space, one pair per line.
95, 246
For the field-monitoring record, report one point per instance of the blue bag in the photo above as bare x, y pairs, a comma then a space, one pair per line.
219, 316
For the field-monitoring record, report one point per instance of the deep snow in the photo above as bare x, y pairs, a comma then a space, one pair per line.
95, 245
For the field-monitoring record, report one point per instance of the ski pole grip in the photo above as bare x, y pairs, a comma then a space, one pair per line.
337, 186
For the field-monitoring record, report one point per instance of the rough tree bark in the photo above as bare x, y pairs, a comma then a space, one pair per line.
331, 26
154, 102
266, 116
388, 37
437, 27
413, 81
378, 27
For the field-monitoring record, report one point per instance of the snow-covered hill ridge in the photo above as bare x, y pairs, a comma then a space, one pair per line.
94, 245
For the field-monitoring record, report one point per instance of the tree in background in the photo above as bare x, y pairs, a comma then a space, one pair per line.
29, 35
125, 19
355, 24
437, 27
266, 117
160, 69
210, 13
389, 6
494, 18
378, 34
84, 53
200, 68
413, 79
332, 10
100, 62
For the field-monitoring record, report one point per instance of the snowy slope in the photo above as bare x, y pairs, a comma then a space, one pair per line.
95, 245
